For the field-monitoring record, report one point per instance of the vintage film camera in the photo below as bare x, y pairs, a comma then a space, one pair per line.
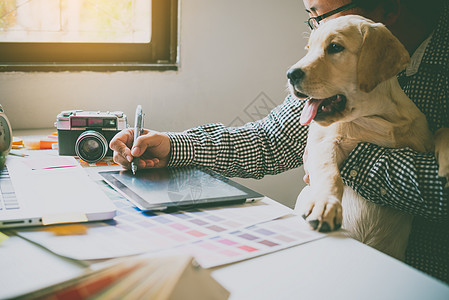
87, 134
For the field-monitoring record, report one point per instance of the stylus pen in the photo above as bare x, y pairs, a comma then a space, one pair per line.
138, 126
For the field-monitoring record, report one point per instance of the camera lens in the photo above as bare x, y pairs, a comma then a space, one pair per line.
91, 146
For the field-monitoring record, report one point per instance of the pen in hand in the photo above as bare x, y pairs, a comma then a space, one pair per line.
138, 126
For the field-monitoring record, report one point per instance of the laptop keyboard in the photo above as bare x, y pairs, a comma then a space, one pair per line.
8, 199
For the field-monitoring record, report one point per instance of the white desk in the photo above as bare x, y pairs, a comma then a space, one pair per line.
331, 268
334, 267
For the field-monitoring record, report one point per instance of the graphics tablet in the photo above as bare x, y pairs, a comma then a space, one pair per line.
179, 188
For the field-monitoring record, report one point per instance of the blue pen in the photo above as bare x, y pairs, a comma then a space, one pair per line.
138, 127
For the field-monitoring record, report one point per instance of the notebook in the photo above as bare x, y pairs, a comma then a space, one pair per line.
178, 188
40, 194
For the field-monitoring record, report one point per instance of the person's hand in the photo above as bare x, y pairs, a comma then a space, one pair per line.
152, 147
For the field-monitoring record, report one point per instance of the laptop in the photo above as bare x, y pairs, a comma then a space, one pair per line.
178, 188
32, 195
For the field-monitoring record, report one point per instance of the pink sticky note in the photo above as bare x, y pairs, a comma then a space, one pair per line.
49, 162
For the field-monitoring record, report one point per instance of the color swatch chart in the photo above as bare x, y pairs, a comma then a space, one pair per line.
252, 241
133, 231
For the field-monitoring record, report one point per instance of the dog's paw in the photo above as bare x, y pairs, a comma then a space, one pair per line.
322, 212
442, 152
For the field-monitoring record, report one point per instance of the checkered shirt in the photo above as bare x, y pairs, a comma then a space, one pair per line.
400, 178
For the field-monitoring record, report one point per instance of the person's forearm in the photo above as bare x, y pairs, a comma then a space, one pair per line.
268, 146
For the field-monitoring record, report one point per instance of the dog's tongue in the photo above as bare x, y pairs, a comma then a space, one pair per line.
309, 111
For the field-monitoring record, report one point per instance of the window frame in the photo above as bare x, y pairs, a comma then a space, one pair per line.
160, 54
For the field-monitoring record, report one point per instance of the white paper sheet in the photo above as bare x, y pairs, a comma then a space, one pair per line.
133, 231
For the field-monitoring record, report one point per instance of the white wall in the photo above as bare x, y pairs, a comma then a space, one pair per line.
234, 54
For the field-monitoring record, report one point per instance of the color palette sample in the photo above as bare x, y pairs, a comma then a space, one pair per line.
102, 163
133, 231
252, 241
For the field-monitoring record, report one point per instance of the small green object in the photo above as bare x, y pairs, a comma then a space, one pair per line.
2, 161
5, 137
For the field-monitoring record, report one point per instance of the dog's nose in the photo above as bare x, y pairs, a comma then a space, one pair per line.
295, 75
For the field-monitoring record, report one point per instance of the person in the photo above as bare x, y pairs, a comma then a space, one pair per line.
399, 178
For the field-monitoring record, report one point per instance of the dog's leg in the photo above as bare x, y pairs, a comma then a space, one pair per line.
442, 152
322, 205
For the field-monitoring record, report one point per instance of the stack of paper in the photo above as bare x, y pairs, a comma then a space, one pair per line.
134, 232
214, 236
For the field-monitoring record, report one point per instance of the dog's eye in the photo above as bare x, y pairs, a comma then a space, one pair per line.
334, 48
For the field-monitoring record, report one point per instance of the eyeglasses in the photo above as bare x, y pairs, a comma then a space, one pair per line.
313, 22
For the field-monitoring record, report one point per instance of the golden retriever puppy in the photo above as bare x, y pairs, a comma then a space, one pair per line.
349, 79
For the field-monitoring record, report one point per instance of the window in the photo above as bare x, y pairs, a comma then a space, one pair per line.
99, 35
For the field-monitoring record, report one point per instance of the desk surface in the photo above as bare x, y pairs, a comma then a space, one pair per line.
334, 267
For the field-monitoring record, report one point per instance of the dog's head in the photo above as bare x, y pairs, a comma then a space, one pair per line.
347, 58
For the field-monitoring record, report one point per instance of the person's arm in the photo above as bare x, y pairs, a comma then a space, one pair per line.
400, 178
268, 146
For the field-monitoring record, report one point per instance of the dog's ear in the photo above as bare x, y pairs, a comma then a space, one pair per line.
381, 57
